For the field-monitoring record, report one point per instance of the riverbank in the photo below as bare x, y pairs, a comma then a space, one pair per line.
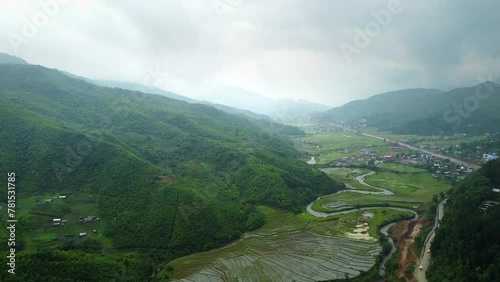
383, 229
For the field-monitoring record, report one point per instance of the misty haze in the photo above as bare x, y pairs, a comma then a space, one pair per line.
237, 140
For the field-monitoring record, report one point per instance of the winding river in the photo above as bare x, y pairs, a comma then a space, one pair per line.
384, 229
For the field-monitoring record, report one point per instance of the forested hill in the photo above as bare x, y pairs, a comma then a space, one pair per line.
423, 111
382, 106
8, 59
167, 177
467, 243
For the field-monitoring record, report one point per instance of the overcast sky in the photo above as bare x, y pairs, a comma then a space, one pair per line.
311, 49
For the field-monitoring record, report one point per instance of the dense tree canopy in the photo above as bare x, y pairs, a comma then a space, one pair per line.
467, 244
166, 175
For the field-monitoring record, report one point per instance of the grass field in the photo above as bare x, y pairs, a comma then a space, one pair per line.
330, 146
411, 187
346, 175
417, 186
39, 215
400, 168
290, 247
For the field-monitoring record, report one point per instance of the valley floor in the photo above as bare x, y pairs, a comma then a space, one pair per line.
337, 237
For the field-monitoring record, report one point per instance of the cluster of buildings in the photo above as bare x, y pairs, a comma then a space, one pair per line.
90, 218
63, 222
61, 197
486, 205
59, 222
449, 170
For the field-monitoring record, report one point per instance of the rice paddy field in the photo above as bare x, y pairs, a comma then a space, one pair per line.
291, 248
345, 201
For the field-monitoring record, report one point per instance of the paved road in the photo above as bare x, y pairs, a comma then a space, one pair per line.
457, 161
425, 257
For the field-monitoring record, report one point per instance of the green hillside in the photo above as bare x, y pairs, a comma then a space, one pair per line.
424, 111
466, 245
165, 177
383, 107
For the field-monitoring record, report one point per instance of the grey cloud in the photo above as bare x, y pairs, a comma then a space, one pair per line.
276, 48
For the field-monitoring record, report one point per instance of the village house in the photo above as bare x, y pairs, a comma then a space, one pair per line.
490, 157
87, 219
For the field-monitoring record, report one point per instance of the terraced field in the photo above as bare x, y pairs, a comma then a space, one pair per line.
287, 248
300, 256
345, 201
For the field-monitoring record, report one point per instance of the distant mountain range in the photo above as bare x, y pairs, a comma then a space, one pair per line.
232, 100
244, 99
420, 111
469, 109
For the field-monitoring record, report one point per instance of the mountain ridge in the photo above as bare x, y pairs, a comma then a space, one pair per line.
424, 110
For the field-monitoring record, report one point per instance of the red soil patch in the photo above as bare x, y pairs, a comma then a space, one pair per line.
166, 179
404, 234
